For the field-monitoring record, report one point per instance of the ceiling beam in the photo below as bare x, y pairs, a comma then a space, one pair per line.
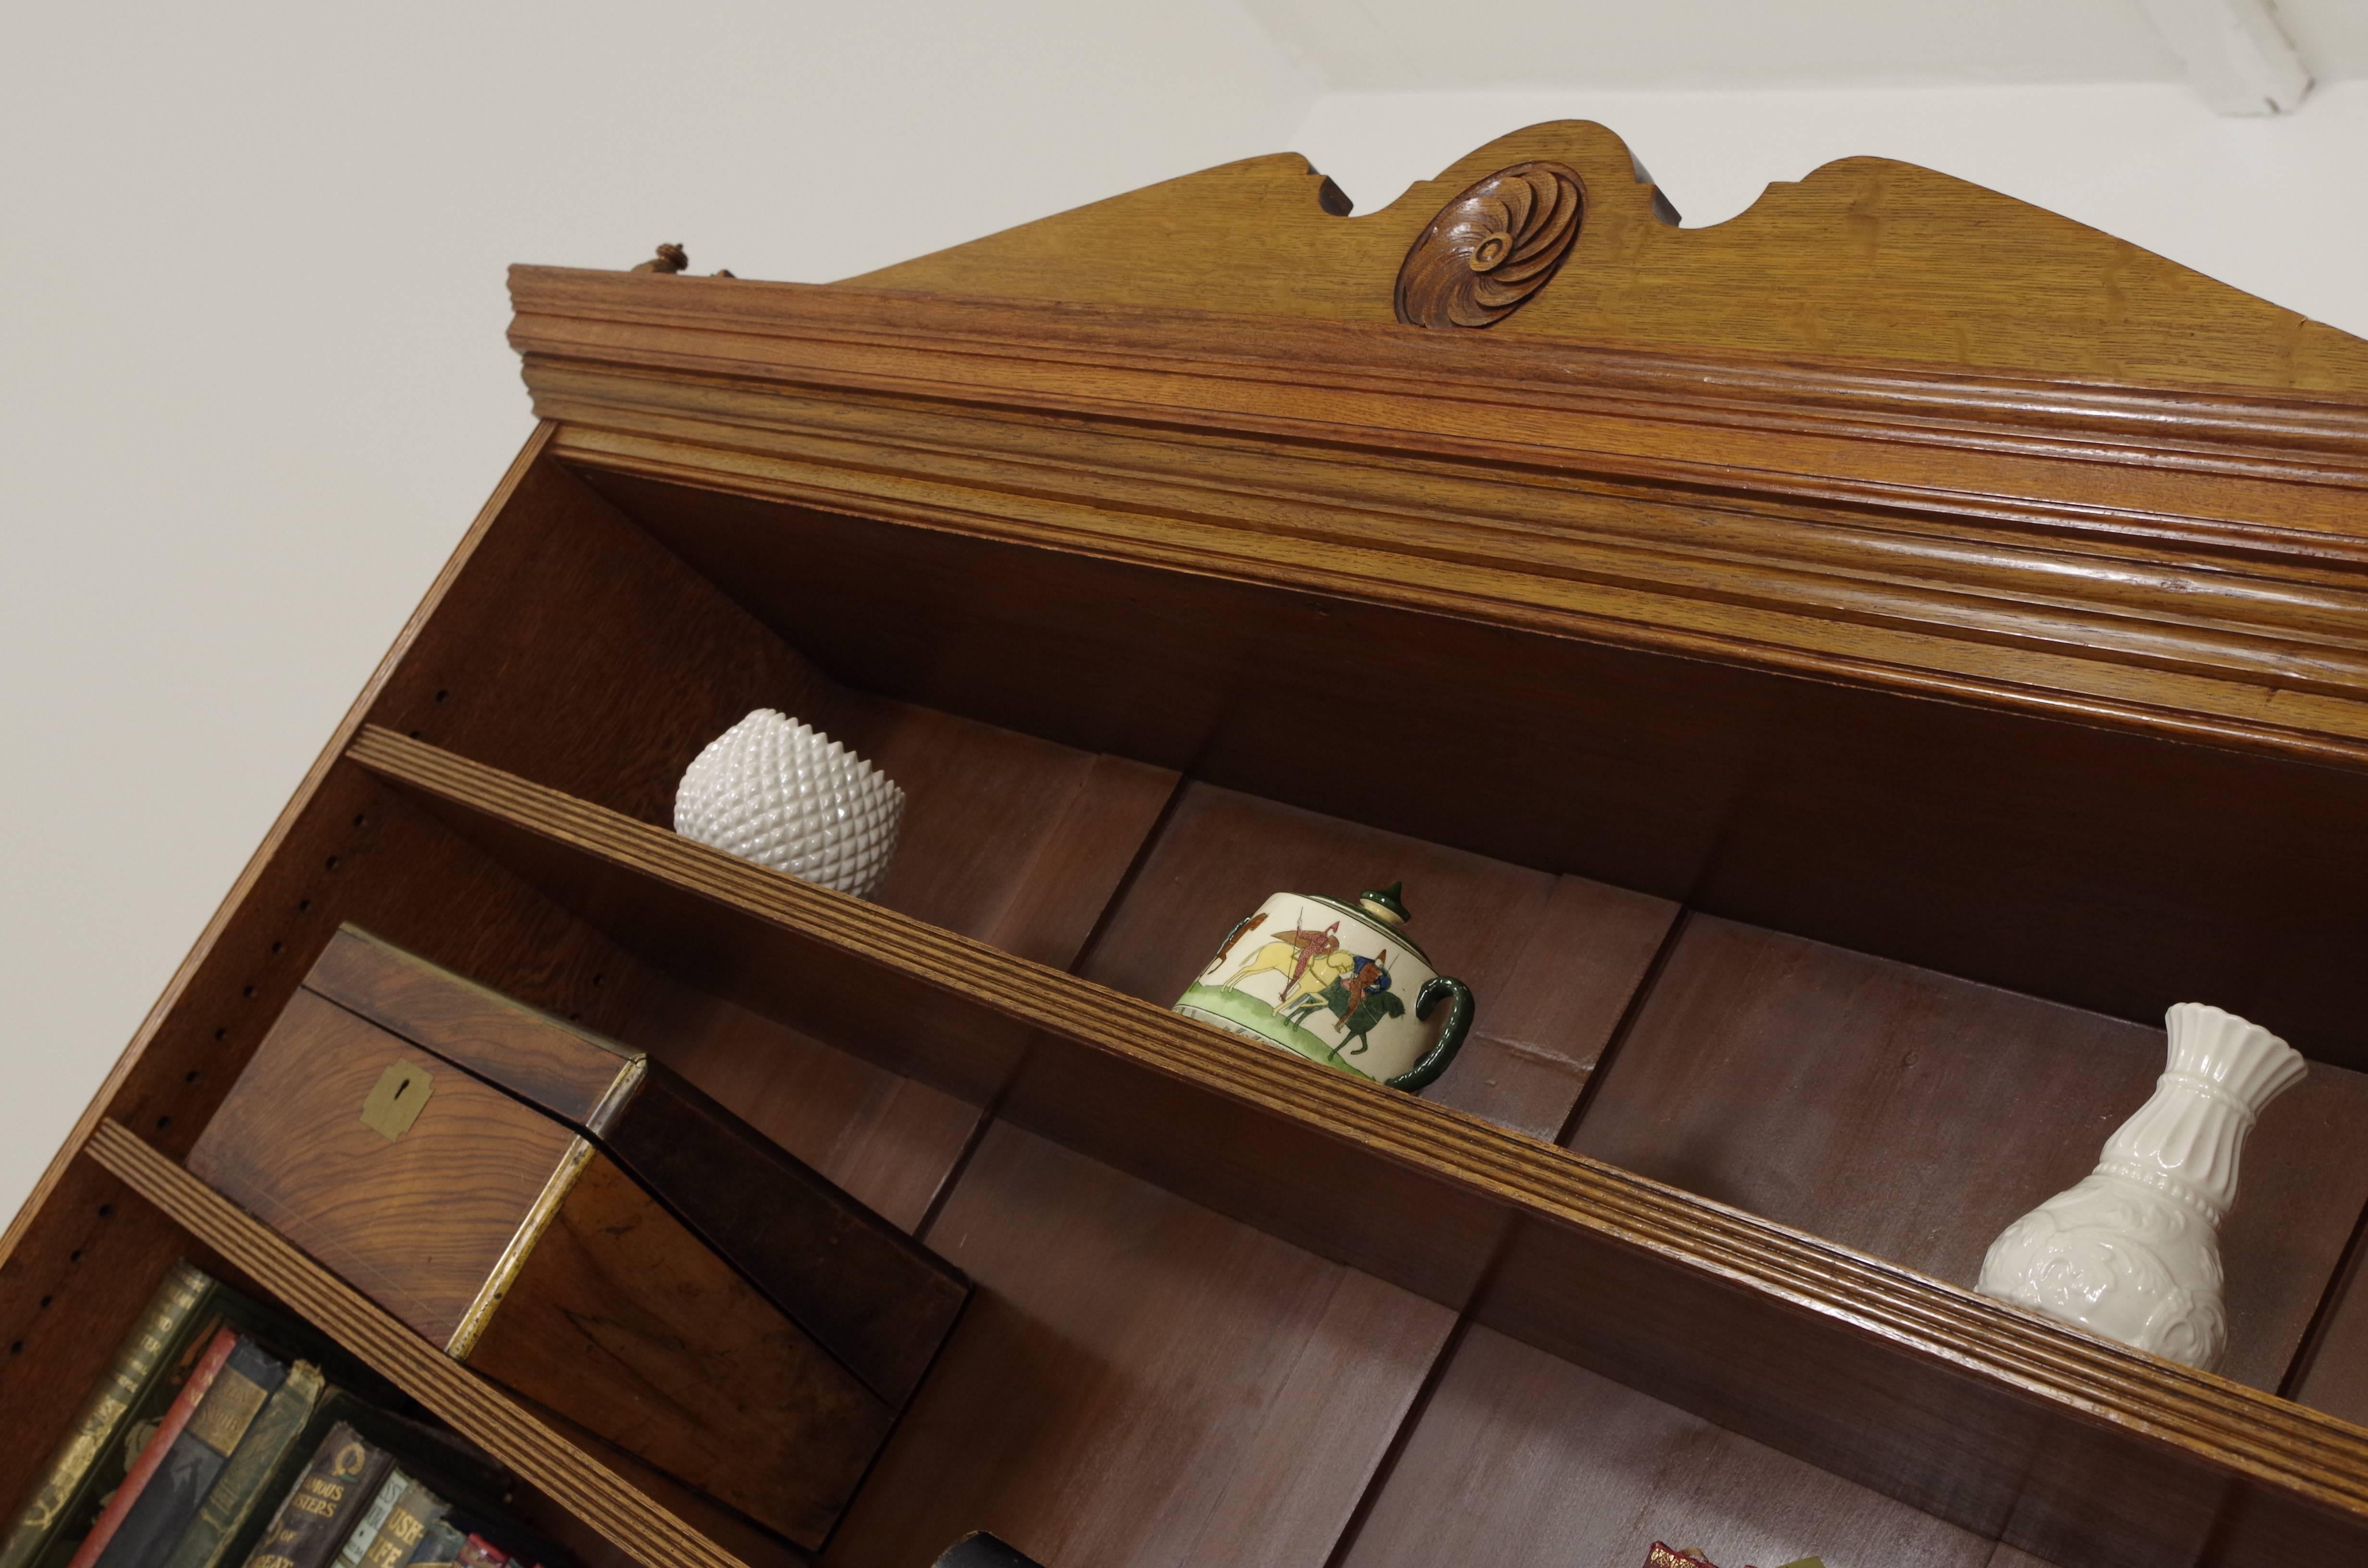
2236, 54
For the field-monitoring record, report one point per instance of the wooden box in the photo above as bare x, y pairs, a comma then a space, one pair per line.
582, 1225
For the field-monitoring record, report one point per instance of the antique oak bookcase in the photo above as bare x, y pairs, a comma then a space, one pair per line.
1828, 680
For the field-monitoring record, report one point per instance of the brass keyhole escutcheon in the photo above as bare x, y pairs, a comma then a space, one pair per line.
395, 1102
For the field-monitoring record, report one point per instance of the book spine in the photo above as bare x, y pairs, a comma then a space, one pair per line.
404, 1528
365, 1533
478, 1552
238, 1491
146, 1349
438, 1548
169, 1432
320, 1509
171, 1498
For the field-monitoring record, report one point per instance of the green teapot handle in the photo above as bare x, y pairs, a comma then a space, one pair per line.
1417, 1078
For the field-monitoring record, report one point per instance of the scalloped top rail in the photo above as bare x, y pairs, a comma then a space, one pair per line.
1866, 259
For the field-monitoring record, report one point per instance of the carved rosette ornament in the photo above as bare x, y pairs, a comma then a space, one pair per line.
1492, 247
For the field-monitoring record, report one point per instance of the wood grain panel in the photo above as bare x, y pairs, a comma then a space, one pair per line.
1519, 1457
467, 1403
418, 1223
1551, 960
1901, 1382
887, 1140
567, 1072
1866, 256
1140, 1382
1380, 422
1914, 1117
866, 1293
623, 1319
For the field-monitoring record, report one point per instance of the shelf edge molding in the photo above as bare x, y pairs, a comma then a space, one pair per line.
473, 1407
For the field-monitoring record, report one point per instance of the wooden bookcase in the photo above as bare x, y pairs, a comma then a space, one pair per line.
1828, 681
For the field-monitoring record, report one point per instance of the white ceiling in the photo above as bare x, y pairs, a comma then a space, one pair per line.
1402, 45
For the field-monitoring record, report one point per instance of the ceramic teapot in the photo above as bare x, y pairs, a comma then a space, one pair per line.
1337, 982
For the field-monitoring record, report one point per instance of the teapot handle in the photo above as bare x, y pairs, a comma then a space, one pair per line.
1417, 1078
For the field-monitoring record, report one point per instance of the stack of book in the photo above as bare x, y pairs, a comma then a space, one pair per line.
228, 1435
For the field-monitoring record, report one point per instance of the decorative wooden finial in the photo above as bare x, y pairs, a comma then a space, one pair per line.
1492, 247
670, 259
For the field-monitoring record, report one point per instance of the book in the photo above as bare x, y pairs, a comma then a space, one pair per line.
159, 1443
454, 1466
63, 1490
238, 1492
406, 1525
153, 1525
100, 1452
373, 1518
439, 1548
340, 1480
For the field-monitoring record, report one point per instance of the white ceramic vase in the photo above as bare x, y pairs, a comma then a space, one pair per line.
2133, 1252
785, 795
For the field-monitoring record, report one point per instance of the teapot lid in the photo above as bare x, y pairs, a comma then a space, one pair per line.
1385, 906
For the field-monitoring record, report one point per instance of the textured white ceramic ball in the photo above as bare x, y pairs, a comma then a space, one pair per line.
785, 795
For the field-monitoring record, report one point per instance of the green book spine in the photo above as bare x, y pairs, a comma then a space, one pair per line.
64, 1489
238, 1491
320, 1509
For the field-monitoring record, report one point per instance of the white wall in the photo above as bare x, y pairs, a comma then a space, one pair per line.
253, 384
2278, 207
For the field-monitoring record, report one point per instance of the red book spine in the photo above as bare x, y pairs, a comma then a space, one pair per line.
200, 1379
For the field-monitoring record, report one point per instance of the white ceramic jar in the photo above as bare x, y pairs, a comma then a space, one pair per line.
785, 795
2133, 1252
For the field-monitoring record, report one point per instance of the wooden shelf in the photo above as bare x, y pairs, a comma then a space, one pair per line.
471, 1406
1917, 1388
